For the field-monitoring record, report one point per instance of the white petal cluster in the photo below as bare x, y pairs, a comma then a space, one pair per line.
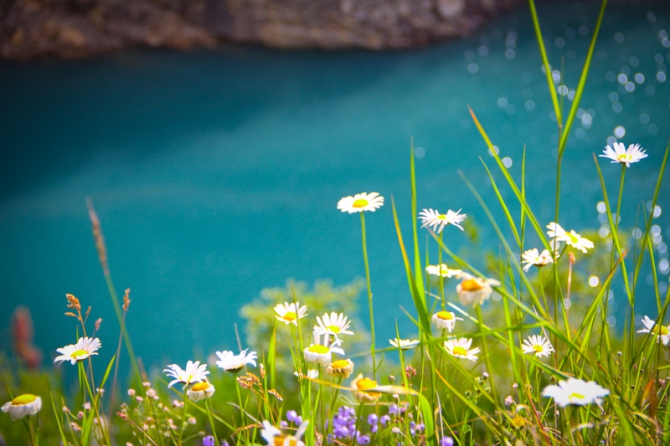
194, 373
437, 221
84, 348
619, 154
575, 392
361, 202
232, 363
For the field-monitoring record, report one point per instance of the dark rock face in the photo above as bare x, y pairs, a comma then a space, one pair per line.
76, 28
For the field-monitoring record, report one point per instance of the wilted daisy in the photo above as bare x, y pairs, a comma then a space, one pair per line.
342, 368
576, 392
322, 353
474, 290
362, 386
194, 373
233, 363
23, 405
361, 202
84, 348
335, 324
275, 437
442, 270
460, 348
200, 391
661, 331
437, 221
445, 320
619, 154
538, 345
404, 344
571, 238
533, 258
289, 313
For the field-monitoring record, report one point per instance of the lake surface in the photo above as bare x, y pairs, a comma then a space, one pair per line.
217, 173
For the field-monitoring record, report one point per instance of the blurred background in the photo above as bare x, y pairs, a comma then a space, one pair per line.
215, 140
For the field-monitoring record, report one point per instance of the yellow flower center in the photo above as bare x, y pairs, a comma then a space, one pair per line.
624, 157
339, 364
574, 395
573, 237
441, 217
459, 351
200, 387
366, 384
360, 203
24, 399
538, 348
281, 440
518, 421
471, 285
319, 349
445, 315
661, 330
333, 329
79, 354
290, 316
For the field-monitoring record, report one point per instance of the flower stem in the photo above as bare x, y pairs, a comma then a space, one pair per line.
183, 417
211, 422
372, 314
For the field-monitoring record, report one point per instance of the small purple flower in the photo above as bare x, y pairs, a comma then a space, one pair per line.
372, 419
446, 441
291, 415
363, 439
420, 427
298, 420
412, 428
224, 443
393, 409
283, 423
208, 441
384, 420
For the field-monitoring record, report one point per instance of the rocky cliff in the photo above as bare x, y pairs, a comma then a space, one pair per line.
76, 28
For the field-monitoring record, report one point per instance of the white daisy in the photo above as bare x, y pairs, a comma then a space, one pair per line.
570, 238
289, 313
533, 258
661, 331
361, 388
200, 391
445, 320
437, 221
474, 290
576, 392
194, 373
442, 270
23, 405
460, 348
342, 368
275, 437
404, 344
84, 348
619, 154
322, 353
361, 202
538, 345
335, 324
234, 363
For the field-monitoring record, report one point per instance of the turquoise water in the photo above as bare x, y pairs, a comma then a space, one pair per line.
217, 173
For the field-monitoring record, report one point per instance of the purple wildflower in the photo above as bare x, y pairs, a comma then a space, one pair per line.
291, 415
384, 420
446, 441
208, 441
363, 439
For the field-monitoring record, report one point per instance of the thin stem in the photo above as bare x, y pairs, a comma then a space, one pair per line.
372, 314
239, 401
183, 417
211, 422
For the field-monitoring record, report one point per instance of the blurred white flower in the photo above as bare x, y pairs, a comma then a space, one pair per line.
335, 324
576, 392
200, 391
533, 258
84, 348
437, 221
442, 270
232, 363
275, 437
661, 331
571, 238
537, 345
194, 373
289, 313
619, 154
23, 405
404, 344
445, 320
460, 348
474, 290
361, 202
